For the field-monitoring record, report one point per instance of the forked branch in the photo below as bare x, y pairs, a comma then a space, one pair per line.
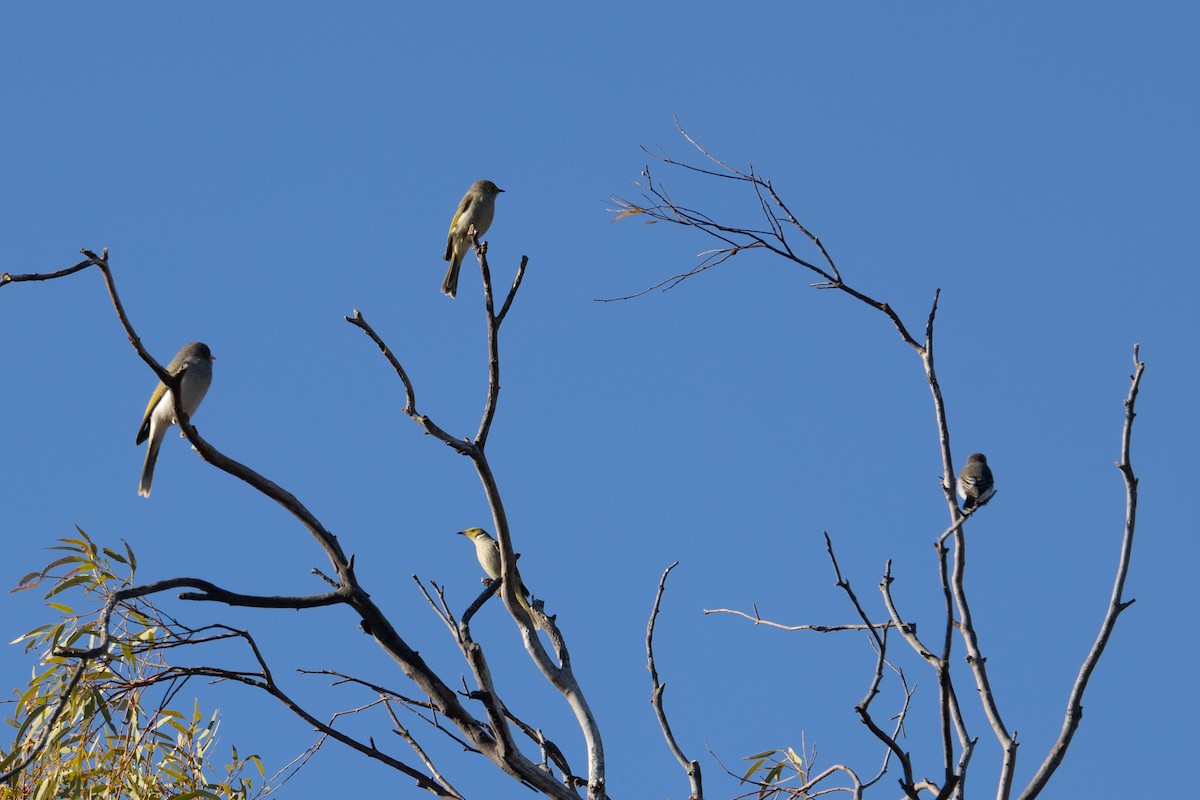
346, 588
560, 675
1116, 603
771, 235
863, 707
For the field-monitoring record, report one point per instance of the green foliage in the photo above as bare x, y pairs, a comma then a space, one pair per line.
104, 727
777, 773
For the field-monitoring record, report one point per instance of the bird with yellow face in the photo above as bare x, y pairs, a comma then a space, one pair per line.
487, 550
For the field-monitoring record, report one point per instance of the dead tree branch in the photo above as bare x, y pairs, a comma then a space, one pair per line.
346, 587
1116, 602
772, 235
691, 768
560, 675
863, 707
758, 620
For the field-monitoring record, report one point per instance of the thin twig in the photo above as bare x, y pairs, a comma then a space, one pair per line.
405, 734
6, 277
758, 620
208, 592
691, 768
862, 709
410, 395
512, 292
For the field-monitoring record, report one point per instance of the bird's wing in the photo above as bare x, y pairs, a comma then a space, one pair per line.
463, 205
144, 430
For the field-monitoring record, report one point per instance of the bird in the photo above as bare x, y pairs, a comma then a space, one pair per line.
194, 361
487, 550
477, 208
975, 483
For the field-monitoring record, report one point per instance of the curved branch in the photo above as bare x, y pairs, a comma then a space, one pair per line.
512, 292
758, 620
6, 278
1116, 603
390, 696
347, 587
404, 733
324, 538
208, 591
410, 395
493, 344
691, 768
948, 705
560, 676
862, 709
502, 751
659, 207
263, 680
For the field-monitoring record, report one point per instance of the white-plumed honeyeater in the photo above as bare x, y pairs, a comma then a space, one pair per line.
487, 550
975, 483
194, 360
477, 208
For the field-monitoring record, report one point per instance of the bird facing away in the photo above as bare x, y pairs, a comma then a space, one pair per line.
477, 208
195, 362
975, 484
487, 550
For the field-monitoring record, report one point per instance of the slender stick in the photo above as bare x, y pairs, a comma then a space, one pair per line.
691, 768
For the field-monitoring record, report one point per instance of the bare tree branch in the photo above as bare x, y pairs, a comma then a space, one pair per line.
660, 208
758, 620
444, 700
410, 395
493, 341
6, 278
208, 592
512, 292
862, 709
658, 205
404, 733
691, 768
560, 676
265, 681
1116, 603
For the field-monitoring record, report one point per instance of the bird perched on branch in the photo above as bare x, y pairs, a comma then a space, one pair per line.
487, 550
477, 208
194, 362
975, 484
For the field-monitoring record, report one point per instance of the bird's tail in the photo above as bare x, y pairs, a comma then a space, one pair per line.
537, 622
156, 439
450, 285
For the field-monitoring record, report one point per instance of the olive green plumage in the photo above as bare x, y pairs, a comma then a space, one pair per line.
194, 360
477, 208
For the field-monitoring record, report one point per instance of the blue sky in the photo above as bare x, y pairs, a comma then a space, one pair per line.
258, 171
